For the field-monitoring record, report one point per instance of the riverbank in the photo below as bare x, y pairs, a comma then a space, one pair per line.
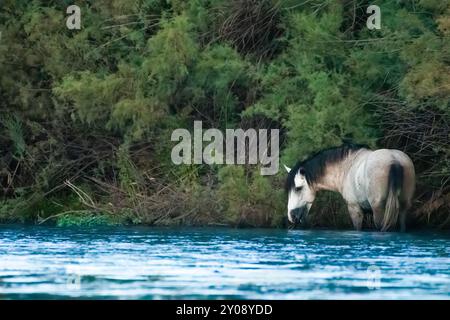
329, 212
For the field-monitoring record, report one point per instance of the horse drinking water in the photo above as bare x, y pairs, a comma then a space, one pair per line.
381, 181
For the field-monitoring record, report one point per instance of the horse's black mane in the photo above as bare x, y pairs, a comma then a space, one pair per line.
314, 166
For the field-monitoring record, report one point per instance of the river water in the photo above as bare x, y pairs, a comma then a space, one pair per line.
215, 263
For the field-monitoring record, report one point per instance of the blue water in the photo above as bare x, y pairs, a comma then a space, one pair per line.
213, 263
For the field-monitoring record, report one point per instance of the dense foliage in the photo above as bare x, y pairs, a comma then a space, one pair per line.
86, 115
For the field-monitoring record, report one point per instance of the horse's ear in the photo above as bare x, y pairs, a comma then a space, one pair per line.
287, 168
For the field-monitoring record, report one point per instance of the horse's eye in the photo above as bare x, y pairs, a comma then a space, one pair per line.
298, 189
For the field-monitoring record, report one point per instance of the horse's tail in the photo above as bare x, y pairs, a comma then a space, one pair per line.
392, 208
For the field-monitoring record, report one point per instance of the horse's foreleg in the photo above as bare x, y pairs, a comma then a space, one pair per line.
356, 215
402, 221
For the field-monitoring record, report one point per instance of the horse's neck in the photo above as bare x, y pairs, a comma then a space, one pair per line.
335, 174
332, 180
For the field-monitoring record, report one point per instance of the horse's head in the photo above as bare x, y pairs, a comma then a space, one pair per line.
300, 194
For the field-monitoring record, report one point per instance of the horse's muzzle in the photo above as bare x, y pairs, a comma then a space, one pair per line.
297, 214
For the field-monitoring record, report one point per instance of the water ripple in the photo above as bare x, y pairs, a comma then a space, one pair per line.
212, 263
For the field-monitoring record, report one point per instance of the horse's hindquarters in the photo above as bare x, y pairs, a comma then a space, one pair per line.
391, 186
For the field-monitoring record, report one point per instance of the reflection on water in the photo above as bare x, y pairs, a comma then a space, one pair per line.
213, 263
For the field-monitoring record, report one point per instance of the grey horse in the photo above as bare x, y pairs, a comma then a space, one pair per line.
379, 181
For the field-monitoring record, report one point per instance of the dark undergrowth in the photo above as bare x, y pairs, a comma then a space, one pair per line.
86, 115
